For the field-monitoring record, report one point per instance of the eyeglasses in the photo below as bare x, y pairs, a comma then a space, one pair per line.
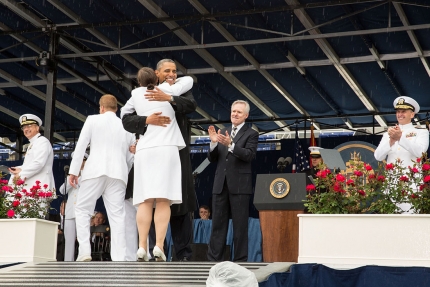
27, 126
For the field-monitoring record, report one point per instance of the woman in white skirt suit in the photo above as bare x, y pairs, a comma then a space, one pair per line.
157, 167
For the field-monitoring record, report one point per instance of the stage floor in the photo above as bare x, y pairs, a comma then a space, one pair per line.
122, 273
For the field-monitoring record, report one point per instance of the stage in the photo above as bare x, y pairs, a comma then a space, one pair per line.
164, 274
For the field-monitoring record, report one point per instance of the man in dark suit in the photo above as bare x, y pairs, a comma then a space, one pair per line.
181, 214
234, 149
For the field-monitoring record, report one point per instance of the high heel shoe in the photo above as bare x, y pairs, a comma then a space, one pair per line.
158, 254
142, 255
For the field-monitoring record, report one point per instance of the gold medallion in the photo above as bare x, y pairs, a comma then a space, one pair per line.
279, 188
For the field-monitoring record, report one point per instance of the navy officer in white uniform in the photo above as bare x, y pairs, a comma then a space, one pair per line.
70, 223
105, 174
403, 141
37, 165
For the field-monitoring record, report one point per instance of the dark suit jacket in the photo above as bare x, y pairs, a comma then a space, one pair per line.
184, 105
235, 167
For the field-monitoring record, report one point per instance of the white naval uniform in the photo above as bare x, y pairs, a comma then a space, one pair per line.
105, 174
69, 222
131, 234
411, 145
38, 161
157, 166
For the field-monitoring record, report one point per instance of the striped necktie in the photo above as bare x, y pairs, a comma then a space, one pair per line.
233, 133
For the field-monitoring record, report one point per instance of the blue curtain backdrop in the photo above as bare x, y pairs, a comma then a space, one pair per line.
317, 275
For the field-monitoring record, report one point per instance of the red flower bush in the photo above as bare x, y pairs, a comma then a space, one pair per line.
18, 202
362, 189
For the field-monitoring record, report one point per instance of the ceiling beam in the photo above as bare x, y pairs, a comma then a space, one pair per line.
196, 46
266, 66
412, 36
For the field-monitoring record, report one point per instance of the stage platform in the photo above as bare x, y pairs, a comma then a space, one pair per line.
159, 274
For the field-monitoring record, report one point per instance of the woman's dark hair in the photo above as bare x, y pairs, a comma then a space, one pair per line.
146, 77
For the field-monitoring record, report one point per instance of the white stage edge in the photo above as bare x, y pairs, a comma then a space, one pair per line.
353, 240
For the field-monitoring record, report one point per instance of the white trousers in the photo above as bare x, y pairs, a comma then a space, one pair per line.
113, 192
69, 239
131, 236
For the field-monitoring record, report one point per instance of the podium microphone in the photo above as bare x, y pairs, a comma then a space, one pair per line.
288, 161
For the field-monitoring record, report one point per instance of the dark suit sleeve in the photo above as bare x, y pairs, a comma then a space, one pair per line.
213, 155
185, 103
134, 123
247, 153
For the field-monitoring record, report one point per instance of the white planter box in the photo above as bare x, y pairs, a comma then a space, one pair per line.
368, 239
28, 240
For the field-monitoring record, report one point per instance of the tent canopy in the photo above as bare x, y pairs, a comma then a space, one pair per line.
337, 64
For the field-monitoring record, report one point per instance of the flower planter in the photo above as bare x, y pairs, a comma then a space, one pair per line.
28, 240
365, 239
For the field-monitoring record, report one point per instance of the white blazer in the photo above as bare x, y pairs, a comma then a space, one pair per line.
72, 192
157, 135
38, 161
109, 151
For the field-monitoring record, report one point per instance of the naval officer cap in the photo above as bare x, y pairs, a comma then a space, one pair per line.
315, 151
406, 103
29, 119
85, 155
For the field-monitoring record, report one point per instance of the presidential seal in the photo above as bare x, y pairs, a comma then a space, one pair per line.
279, 187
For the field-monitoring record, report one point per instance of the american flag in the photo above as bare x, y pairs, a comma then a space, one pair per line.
300, 159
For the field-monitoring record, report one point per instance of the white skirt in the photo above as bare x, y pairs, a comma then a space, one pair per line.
157, 174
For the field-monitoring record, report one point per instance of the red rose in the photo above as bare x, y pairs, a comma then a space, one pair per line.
414, 195
389, 166
381, 178
338, 187
368, 167
358, 173
45, 186
15, 203
418, 159
427, 178
49, 194
10, 213
371, 176
426, 166
361, 192
41, 194
310, 187
422, 186
18, 195
350, 182
321, 174
414, 169
20, 182
5, 188
3, 181
404, 178
340, 177
37, 182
